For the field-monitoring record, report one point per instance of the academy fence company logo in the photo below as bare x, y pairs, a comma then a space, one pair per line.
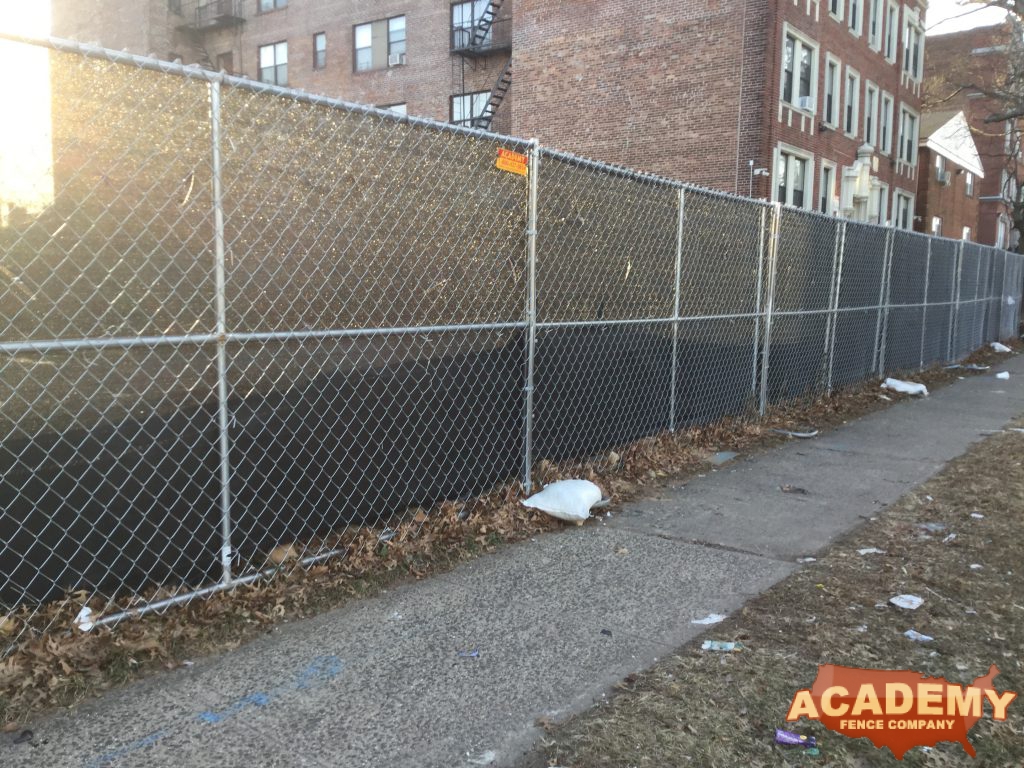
898, 709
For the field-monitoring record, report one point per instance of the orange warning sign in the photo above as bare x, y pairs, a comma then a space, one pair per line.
513, 162
898, 709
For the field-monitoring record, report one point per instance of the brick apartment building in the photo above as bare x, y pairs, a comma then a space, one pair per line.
812, 102
951, 172
977, 57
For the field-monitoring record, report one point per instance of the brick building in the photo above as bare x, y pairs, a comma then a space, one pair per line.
976, 58
812, 102
951, 172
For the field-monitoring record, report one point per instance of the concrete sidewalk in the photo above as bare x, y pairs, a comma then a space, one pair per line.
556, 621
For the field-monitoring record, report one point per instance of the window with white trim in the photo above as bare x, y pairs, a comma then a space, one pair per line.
940, 167
969, 183
936, 228
855, 18
273, 63
468, 108
793, 178
908, 136
827, 188
965, 234
319, 50
830, 112
913, 45
903, 210
880, 214
892, 30
799, 70
379, 44
851, 106
871, 113
835, 9
885, 124
875, 24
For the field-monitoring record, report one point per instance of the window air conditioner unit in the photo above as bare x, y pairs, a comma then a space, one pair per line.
394, 59
944, 178
805, 102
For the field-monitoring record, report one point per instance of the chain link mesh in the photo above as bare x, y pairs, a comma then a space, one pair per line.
330, 308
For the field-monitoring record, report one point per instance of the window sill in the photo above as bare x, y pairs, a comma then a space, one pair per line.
795, 108
377, 69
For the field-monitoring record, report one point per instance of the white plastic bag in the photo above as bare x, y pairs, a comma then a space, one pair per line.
906, 387
569, 500
997, 347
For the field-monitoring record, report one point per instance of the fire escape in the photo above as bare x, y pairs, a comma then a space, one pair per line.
477, 35
196, 18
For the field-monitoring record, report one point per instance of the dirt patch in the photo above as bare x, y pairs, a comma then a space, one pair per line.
715, 709
48, 664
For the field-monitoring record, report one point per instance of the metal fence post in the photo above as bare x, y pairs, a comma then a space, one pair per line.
675, 312
761, 234
924, 308
882, 322
531, 309
773, 257
954, 309
222, 365
837, 284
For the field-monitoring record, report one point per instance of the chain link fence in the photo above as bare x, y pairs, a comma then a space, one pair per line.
235, 316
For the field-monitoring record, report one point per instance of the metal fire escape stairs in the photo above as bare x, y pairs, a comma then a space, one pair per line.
481, 44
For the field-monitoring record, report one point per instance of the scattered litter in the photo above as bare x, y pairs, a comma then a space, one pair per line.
885, 397
282, 553
790, 739
976, 367
188, 663
906, 387
917, 637
711, 618
569, 500
793, 489
723, 457
1003, 375
606, 632
84, 619
861, 628
396, 615
803, 434
970, 612
933, 527
812, 752
387, 535
805, 560
997, 347
976, 566
949, 539
910, 602
721, 645
486, 758
929, 497
977, 515
870, 551
473, 654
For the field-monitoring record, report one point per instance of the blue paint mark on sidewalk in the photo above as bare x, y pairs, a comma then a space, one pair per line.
320, 671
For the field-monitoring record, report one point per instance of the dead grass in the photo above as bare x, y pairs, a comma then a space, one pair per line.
51, 667
706, 709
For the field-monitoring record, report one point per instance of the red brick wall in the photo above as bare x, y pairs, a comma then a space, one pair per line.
653, 85
949, 202
789, 126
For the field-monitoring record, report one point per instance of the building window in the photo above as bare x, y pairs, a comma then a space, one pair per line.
875, 24
851, 108
272, 5
885, 125
856, 17
273, 61
831, 114
469, 108
892, 27
878, 213
799, 71
226, 62
936, 228
319, 50
398, 109
903, 210
379, 44
965, 234
969, 183
827, 188
913, 46
1002, 229
465, 19
908, 136
940, 168
835, 8
793, 179
871, 114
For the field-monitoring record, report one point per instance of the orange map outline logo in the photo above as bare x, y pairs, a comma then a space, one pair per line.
898, 709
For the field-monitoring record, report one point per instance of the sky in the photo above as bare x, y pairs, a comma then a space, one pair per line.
945, 16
